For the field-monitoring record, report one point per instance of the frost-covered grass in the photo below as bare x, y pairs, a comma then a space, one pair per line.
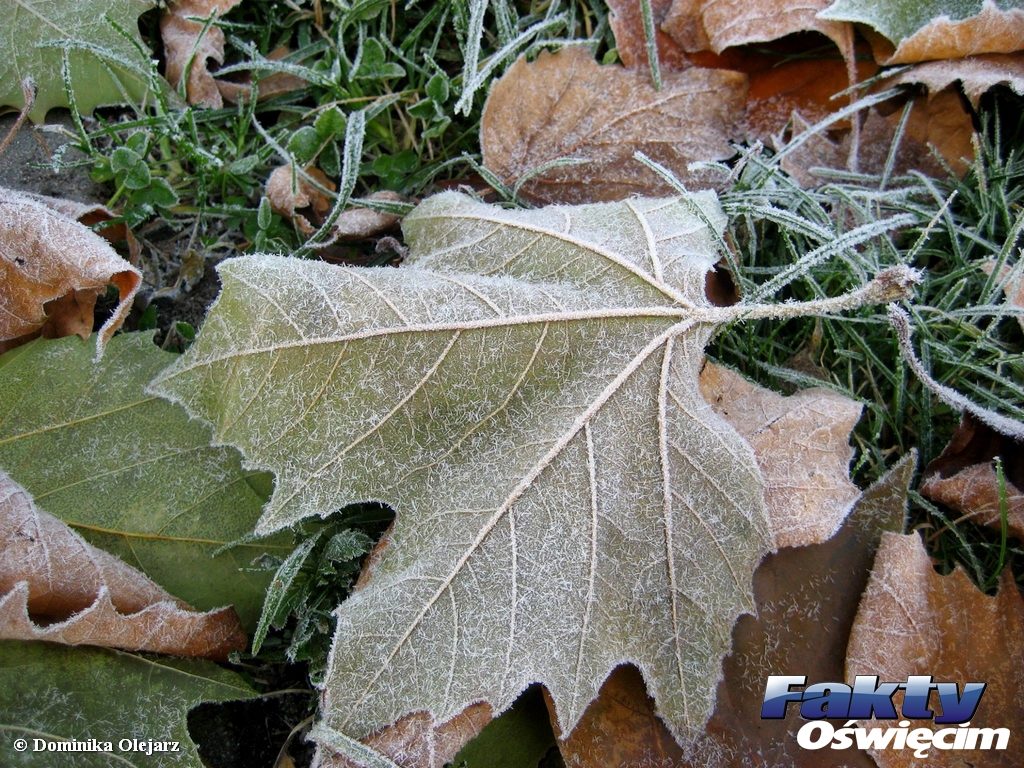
964, 333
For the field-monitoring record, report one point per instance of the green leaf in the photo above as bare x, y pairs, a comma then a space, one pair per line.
131, 473
59, 693
104, 66
374, 64
524, 395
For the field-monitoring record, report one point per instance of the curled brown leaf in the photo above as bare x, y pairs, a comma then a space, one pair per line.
188, 46
54, 586
53, 270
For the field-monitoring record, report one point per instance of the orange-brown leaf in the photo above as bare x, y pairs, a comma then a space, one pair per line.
938, 121
802, 447
719, 24
631, 43
565, 106
185, 42
964, 477
51, 271
912, 621
976, 74
294, 197
994, 30
55, 586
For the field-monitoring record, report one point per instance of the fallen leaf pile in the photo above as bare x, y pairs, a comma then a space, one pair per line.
566, 129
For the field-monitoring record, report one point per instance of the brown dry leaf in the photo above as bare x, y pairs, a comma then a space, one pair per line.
802, 447
912, 621
416, 742
272, 85
56, 587
52, 271
184, 40
91, 214
938, 121
976, 74
805, 86
565, 106
802, 628
290, 194
359, 223
992, 31
715, 25
964, 476
628, 27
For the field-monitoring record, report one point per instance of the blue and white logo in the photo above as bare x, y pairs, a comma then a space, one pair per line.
869, 698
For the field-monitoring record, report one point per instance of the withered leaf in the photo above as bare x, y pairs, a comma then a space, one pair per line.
719, 24
270, 85
55, 586
976, 74
566, 106
627, 25
359, 223
950, 29
964, 478
912, 621
1012, 280
187, 45
936, 121
290, 194
802, 447
53, 269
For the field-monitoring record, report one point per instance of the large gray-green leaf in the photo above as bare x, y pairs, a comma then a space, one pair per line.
130, 472
35, 33
925, 30
524, 394
55, 694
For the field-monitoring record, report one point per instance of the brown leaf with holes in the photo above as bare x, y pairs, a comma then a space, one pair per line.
53, 269
628, 27
188, 46
698, 25
566, 106
912, 621
802, 447
976, 74
54, 586
802, 626
294, 197
964, 477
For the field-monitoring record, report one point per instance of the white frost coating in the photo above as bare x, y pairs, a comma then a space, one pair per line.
524, 394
